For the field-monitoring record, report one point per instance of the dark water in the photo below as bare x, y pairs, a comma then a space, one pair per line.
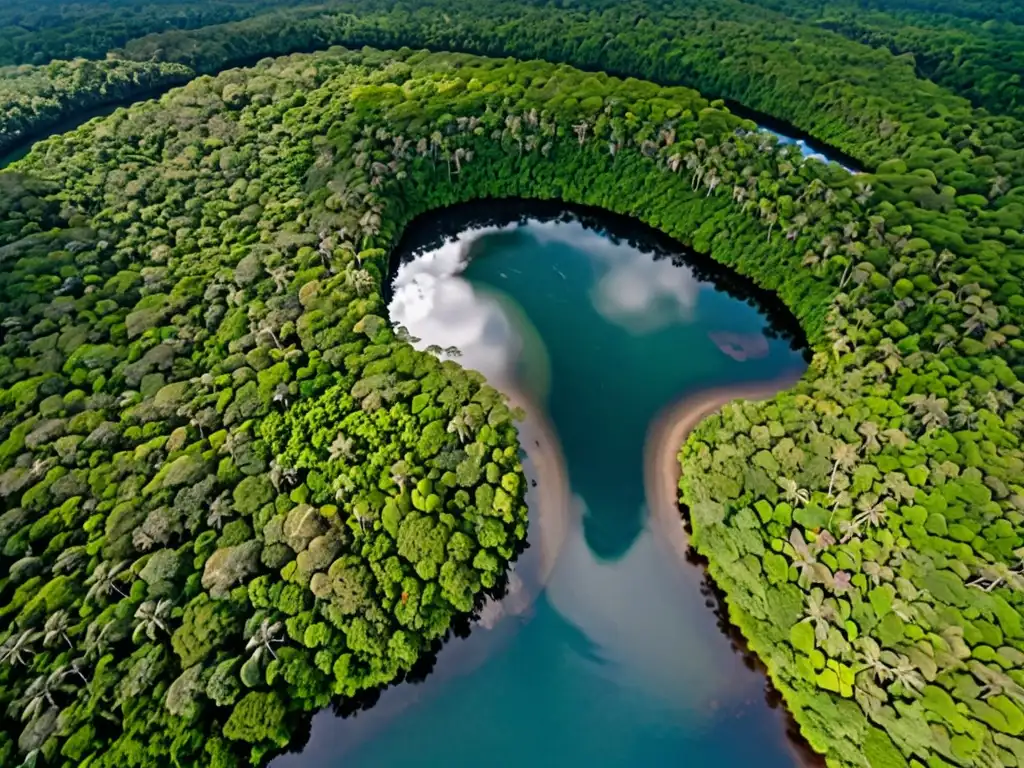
617, 659
64, 126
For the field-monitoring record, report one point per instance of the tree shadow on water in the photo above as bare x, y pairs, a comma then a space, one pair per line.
714, 598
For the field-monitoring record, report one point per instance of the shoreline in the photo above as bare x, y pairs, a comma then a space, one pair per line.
662, 472
665, 437
539, 441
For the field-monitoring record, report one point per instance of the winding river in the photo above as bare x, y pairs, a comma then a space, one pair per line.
608, 650
65, 125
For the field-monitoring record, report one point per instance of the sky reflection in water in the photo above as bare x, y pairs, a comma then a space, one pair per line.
618, 661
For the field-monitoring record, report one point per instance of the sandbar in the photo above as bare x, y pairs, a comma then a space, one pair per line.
665, 438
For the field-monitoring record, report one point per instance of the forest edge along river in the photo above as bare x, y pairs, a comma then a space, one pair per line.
671, 430
784, 132
556, 515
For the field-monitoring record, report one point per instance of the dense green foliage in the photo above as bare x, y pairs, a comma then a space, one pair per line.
973, 47
38, 31
801, 62
34, 99
828, 68
230, 492
981, 60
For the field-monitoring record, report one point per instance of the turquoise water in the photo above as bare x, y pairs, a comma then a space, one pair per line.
616, 656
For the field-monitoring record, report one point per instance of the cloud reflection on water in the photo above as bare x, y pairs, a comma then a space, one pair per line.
634, 291
440, 307
634, 610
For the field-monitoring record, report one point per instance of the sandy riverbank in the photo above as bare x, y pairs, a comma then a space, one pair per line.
551, 499
666, 436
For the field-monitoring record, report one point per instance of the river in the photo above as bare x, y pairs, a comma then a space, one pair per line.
65, 125
609, 651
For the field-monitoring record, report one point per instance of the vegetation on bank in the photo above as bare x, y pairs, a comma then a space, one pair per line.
220, 260
34, 99
866, 527
972, 47
40, 31
866, 101
230, 492
855, 80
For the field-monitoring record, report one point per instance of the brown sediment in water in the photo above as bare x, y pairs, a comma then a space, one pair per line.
554, 498
662, 473
551, 510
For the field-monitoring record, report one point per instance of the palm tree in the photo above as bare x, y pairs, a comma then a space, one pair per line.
964, 415
876, 572
402, 334
870, 658
400, 473
804, 560
823, 539
362, 517
897, 484
998, 400
343, 447
993, 339
980, 317
889, 354
56, 629
869, 431
458, 425
840, 346
792, 493
98, 638
281, 475
995, 682
872, 511
769, 214
862, 316
1000, 186
281, 394
17, 649
75, 667
906, 674
104, 580
263, 640
342, 487
70, 560
221, 510
820, 613
39, 696
896, 437
152, 616
992, 575
864, 192
844, 456
580, 130
264, 327
281, 275
931, 410
906, 611
850, 529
